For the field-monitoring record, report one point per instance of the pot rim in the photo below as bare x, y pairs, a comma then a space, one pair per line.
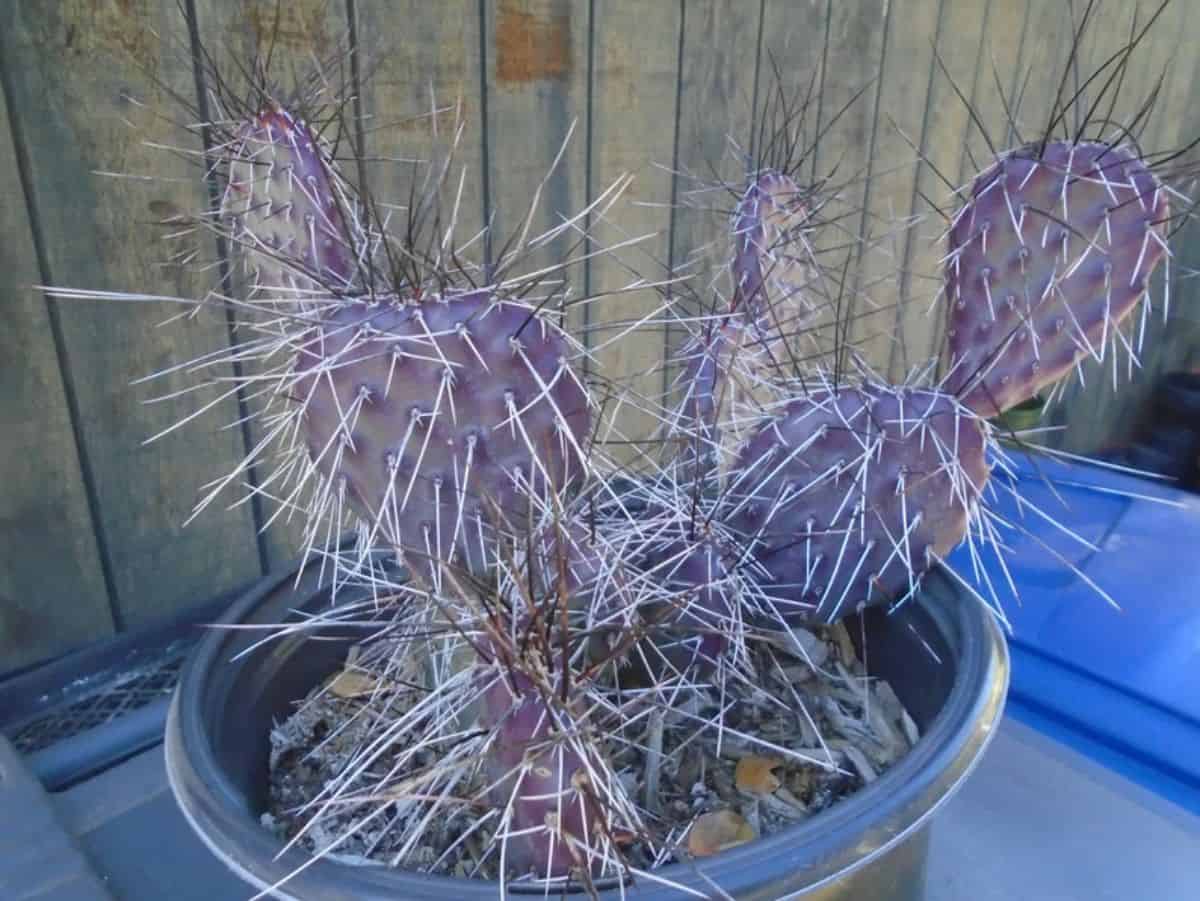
836, 842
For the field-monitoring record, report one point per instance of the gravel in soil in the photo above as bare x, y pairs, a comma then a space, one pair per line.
771, 766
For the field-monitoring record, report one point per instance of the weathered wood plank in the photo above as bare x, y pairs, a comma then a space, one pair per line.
52, 590
1096, 414
717, 71
795, 37
534, 66
994, 49
295, 38
77, 64
634, 81
415, 56
953, 82
537, 72
715, 123
793, 106
879, 333
853, 54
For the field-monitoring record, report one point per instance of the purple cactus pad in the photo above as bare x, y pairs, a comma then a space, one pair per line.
284, 200
1053, 249
771, 267
539, 779
690, 629
439, 417
852, 494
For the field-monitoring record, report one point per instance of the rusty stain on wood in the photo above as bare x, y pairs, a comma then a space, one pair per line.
531, 46
83, 27
289, 26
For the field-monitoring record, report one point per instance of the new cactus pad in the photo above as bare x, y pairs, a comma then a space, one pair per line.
287, 209
772, 270
539, 781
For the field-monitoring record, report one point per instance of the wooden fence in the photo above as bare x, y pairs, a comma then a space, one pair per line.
91, 540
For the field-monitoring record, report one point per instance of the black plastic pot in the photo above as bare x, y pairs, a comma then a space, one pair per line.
1178, 397
943, 655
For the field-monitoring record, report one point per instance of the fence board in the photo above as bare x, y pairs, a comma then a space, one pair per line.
992, 48
634, 79
717, 74
853, 56
1113, 414
536, 73
295, 38
950, 77
903, 93
52, 591
667, 82
414, 56
72, 67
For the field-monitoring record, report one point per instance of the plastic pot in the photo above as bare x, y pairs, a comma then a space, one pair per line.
1178, 396
942, 653
1166, 452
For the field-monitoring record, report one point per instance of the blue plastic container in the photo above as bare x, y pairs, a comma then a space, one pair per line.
1122, 686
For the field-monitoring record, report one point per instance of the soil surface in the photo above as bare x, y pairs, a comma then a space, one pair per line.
714, 788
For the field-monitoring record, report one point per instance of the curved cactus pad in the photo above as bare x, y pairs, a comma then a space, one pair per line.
1052, 250
733, 370
690, 623
852, 494
285, 201
772, 268
538, 782
441, 419
718, 374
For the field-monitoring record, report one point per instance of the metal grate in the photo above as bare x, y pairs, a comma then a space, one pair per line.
113, 698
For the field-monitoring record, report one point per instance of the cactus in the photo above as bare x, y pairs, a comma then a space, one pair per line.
735, 365
441, 418
772, 265
538, 778
444, 414
1053, 248
713, 362
289, 210
691, 624
850, 495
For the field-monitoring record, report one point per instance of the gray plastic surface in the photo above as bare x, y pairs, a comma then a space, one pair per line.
128, 823
1035, 821
1039, 821
39, 859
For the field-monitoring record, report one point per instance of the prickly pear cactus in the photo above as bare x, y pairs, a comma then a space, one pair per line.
772, 270
692, 620
601, 600
539, 782
717, 379
287, 209
1053, 248
853, 493
441, 419
735, 366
